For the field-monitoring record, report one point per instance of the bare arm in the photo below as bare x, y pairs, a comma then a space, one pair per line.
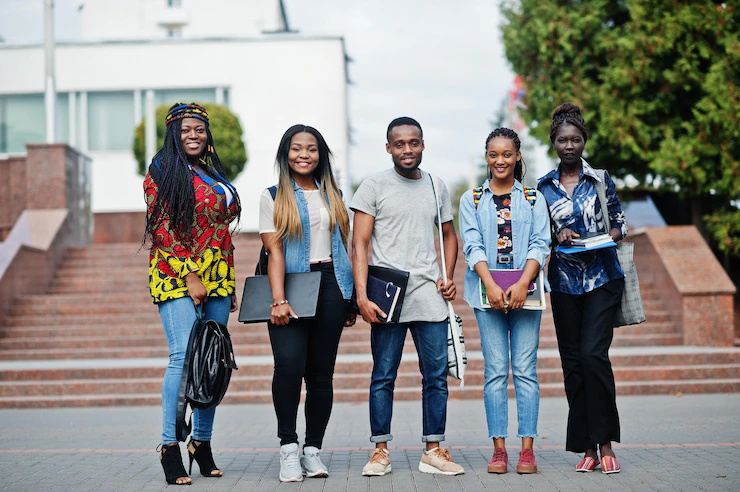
449, 241
279, 315
363, 230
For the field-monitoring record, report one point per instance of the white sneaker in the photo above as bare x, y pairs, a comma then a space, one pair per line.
379, 464
311, 463
439, 461
290, 463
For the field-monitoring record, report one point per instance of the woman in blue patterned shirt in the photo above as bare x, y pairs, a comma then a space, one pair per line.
586, 291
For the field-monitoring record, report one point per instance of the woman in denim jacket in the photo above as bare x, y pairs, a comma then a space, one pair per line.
305, 228
505, 226
586, 292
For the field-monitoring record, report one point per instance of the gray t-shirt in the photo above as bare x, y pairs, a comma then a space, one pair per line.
403, 236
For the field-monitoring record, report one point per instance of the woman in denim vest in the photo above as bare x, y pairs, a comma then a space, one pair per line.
305, 228
505, 226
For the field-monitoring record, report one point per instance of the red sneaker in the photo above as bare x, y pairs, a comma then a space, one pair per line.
527, 463
499, 461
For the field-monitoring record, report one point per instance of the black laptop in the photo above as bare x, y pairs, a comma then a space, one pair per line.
301, 290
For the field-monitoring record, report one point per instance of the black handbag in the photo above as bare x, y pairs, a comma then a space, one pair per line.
206, 372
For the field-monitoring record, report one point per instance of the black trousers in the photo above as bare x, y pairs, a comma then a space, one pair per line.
584, 327
307, 349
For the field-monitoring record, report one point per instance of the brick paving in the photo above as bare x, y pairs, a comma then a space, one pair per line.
688, 442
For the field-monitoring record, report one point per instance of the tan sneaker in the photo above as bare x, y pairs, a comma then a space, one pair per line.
439, 461
379, 464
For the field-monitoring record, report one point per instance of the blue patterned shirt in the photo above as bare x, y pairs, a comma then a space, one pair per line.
582, 272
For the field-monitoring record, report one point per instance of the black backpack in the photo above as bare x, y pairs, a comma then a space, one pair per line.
261, 268
206, 372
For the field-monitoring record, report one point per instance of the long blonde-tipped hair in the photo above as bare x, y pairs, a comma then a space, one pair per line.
286, 217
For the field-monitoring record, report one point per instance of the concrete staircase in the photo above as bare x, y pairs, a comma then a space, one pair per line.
96, 339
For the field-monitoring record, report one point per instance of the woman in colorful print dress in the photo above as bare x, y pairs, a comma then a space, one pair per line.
586, 291
190, 204
506, 226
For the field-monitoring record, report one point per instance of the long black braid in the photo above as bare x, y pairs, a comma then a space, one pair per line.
567, 113
175, 198
521, 168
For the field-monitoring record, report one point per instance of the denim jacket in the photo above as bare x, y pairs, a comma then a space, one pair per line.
479, 230
297, 252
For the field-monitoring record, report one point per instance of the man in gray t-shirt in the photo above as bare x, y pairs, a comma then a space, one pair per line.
395, 210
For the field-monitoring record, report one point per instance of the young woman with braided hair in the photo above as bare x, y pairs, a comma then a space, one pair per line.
586, 291
190, 204
506, 226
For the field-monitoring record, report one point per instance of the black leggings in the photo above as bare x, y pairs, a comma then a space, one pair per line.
584, 326
307, 349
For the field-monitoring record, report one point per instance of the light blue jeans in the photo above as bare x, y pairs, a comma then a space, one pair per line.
522, 327
178, 316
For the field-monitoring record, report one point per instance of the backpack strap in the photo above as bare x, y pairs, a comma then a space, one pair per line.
531, 195
477, 195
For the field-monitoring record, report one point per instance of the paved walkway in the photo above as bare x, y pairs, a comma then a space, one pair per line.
689, 442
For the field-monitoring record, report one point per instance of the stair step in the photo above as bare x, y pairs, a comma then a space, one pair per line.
361, 395
131, 347
124, 336
409, 379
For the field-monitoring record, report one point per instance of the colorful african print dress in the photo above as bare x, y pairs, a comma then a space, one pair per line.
211, 253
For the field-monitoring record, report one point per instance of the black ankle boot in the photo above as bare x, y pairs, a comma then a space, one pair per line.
171, 460
203, 455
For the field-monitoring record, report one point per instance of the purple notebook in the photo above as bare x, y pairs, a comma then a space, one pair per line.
507, 278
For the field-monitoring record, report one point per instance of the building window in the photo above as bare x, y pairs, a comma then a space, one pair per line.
174, 32
174, 4
22, 120
109, 124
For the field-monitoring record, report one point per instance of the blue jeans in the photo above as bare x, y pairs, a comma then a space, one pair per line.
386, 341
178, 316
523, 328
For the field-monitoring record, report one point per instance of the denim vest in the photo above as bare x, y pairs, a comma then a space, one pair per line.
479, 230
297, 251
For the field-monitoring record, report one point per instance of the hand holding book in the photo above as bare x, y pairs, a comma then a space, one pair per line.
496, 296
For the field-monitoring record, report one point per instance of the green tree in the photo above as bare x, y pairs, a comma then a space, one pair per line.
227, 138
658, 82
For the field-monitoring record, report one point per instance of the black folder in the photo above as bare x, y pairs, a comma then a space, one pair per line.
301, 290
398, 278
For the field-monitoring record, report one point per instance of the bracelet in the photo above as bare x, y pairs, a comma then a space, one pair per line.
279, 303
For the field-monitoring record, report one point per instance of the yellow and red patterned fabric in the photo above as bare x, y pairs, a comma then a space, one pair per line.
210, 255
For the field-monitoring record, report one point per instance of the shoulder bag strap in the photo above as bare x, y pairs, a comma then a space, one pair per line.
601, 192
439, 226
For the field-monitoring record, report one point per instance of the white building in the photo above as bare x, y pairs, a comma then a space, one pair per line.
137, 55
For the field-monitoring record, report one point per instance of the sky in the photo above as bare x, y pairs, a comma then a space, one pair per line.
439, 61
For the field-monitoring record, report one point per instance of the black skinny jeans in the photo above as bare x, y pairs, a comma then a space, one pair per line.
584, 327
307, 349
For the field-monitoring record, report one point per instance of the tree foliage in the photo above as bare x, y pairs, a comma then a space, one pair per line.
227, 138
659, 82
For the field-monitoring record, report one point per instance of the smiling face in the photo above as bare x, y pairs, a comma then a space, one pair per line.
194, 138
501, 157
303, 154
405, 146
569, 144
